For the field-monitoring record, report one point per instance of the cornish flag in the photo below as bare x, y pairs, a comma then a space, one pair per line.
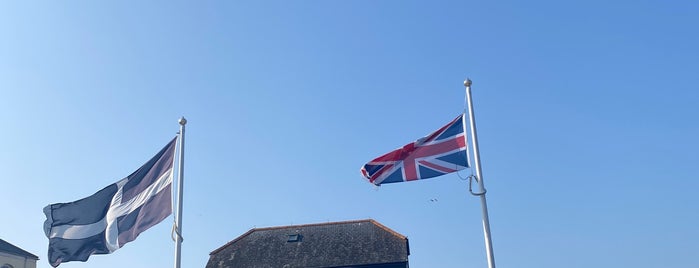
105, 221
444, 151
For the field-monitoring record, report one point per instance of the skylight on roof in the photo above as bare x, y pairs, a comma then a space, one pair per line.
294, 238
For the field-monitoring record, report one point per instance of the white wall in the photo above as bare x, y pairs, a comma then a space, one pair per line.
16, 261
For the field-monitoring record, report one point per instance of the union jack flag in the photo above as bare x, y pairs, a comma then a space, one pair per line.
444, 151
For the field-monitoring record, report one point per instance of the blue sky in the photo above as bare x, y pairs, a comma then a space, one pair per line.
586, 111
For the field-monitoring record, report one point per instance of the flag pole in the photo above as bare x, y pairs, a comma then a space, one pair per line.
479, 177
180, 180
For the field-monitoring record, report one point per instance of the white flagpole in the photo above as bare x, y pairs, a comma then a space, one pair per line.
479, 177
180, 180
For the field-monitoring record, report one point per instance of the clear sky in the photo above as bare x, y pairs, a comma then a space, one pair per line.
587, 115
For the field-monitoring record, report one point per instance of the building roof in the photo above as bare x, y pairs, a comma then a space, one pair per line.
14, 250
332, 244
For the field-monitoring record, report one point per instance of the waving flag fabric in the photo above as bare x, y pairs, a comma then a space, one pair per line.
439, 153
105, 221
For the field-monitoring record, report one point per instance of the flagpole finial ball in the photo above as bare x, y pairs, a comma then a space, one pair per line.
182, 121
467, 82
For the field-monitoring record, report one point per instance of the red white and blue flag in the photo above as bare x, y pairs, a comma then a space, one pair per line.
436, 154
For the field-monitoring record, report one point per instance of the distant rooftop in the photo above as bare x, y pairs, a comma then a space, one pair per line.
332, 244
14, 250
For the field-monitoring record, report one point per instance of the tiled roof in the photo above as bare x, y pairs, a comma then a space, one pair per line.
14, 250
333, 244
